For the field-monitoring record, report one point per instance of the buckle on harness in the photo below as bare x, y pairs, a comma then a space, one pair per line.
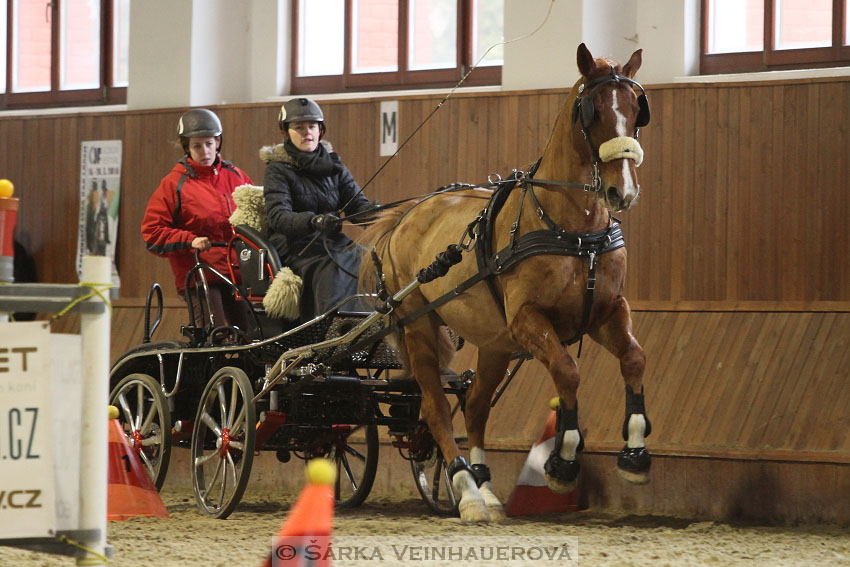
591, 272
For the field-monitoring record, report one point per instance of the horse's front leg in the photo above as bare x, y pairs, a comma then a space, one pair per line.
532, 330
420, 340
616, 335
490, 371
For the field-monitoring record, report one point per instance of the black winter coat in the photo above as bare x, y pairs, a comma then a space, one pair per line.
294, 197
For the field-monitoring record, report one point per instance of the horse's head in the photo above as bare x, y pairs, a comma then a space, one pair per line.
609, 108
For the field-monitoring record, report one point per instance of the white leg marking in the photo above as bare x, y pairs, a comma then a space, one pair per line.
637, 427
494, 507
476, 456
471, 503
571, 441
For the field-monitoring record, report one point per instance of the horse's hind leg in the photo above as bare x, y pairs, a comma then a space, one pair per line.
616, 335
490, 371
532, 330
421, 340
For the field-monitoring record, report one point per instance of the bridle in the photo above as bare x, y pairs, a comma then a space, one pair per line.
616, 148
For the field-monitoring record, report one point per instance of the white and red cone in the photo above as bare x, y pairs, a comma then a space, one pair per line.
531, 495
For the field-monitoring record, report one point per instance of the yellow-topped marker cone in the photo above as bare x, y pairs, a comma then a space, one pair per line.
311, 519
113, 412
320, 471
532, 495
7, 188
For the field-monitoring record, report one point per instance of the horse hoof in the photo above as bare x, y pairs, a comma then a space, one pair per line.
473, 512
494, 507
633, 478
633, 465
563, 470
559, 486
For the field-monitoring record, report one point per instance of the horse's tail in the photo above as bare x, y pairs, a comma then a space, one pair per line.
446, 350
377, 236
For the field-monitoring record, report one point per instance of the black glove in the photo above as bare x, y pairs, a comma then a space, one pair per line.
325, 223
367, 214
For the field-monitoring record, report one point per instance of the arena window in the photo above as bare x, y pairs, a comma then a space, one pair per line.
768, 35
63, 52
364, 45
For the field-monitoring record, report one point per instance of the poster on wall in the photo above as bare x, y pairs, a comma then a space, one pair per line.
100, 187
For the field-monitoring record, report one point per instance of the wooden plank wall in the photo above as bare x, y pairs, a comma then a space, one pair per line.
743, 186
739, 276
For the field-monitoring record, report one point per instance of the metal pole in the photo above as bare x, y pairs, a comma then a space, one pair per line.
94, 434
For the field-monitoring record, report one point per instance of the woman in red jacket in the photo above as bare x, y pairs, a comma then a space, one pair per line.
190, 210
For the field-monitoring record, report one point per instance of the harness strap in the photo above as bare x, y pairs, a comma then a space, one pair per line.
534, 243
541, 214
404, 321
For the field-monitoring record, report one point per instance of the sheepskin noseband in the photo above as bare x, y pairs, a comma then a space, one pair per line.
621, 147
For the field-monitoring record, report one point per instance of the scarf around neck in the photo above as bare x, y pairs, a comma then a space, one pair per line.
315, 164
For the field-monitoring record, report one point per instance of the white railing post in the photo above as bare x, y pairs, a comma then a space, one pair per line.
94, 434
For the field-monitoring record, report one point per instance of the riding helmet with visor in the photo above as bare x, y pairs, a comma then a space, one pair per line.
198, 123
301, 110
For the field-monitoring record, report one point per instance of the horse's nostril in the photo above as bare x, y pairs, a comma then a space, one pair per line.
613, 195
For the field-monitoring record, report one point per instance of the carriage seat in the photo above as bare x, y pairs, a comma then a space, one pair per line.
265, 281
257, 257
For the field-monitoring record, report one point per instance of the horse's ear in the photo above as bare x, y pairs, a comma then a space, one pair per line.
585, 60
630, 68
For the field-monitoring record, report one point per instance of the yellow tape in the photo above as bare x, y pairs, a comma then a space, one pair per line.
96, 289
98, 559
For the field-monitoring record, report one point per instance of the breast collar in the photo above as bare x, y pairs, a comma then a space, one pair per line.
553, 241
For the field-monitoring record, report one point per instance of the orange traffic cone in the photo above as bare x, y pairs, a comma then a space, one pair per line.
130, 491
531, 495
304, 538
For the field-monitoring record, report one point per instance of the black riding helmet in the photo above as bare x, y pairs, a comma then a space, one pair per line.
198, 123
301, 110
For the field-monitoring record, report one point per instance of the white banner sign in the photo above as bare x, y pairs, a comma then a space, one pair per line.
66, 373
26, 444
100, 188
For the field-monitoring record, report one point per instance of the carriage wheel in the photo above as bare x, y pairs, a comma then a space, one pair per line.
356, 462
223, 442
144, 416
434, 485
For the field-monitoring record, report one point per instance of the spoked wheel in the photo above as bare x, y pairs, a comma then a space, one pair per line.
431, 476
223, 442
433, 482
144, 415
356, 461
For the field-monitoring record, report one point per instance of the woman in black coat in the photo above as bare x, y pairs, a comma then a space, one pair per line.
307, 188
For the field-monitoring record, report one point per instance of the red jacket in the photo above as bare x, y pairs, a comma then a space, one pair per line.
201, 207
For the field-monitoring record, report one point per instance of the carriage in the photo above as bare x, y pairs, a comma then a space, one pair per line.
554, 271
301, 391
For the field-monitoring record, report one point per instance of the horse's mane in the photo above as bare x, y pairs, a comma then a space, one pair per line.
376, 237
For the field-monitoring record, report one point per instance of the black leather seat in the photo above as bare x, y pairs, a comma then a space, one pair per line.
259, 262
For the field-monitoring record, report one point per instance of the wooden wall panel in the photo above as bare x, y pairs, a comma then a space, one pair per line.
743, 185
729, 385
737, 247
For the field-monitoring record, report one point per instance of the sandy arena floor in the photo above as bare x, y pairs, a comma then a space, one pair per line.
603, 539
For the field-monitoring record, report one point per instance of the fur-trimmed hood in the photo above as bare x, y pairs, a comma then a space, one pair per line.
278, 153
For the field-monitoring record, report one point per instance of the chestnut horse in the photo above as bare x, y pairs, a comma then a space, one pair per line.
546, 299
